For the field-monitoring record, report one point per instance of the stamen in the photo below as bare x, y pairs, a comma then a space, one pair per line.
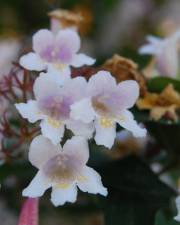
59, 66
54, 123
106, 122
62, 185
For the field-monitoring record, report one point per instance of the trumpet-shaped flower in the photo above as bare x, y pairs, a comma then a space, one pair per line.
55, 53
108, 104
62, 169
52, 107
165, 52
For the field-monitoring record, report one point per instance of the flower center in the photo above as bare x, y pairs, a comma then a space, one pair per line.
56, 108
62, 169
106, 123
57, 54
100, 106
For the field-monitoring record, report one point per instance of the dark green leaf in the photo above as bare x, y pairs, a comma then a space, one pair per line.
135, 192
166, 134
157, 84
161, 219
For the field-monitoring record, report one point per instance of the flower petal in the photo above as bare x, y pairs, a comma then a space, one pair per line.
90, 181
82, 59
68, 38
102, 81
41, 150
167, 59
154, 40
42, 40
75, 88
83, 111
105, 135
37, 187
32, 61
29, 111
60, 196
44, 85
77, 146
59, 74
81, 129
148, 49
128, 92
126, 120
52, 130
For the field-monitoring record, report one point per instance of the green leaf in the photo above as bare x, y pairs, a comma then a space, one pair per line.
166, 134
157, 84
135, 192
162, 219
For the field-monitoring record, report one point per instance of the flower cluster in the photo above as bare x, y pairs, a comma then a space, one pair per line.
89, 108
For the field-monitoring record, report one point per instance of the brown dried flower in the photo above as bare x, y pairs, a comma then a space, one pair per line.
166, 104
66, 18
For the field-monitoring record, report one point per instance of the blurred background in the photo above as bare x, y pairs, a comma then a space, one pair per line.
112, 26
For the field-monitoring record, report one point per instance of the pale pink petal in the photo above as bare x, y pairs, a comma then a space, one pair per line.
60, 196
90, 181
77, 146
29, 212
105, 135
128, 92
101, 82
68, 38
154, 40
168, 60
83, 111
59, 74
81, 129
152, 47
37, 187
82, 59
32, 61
44, 85
126, 120
29, 111
148, 49
51, 131
41, 150
42, 40
75, 88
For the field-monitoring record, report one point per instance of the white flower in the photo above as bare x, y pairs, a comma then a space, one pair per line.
108, 104
177, 218
62, 169
165, 52
55, 53
52, 107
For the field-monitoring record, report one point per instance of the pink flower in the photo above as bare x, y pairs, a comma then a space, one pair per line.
63, 169
107, 104
52, 107
165, 52
55, 53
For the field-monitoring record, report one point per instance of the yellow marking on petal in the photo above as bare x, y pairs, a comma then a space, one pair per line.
62, 185
59, 66
82, 178
106, 122
54, 123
